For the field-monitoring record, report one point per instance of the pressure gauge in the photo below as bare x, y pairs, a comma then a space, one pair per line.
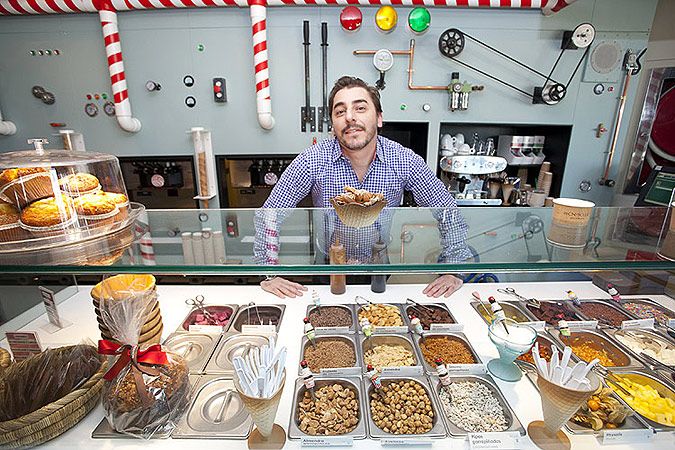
383, 60
583, 35
270, 178
109, 108
91, 109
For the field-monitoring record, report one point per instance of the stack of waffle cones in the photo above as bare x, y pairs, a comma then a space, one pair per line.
129, 287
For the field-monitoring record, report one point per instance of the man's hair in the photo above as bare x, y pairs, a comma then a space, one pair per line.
351, 82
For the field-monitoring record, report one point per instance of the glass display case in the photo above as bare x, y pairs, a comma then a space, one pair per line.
213, 258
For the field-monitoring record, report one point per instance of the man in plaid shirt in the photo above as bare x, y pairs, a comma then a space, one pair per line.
358, 157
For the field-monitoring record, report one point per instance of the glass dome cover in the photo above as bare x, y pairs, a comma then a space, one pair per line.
56, 199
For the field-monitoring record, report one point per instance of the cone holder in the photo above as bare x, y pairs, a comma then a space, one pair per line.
263, 411
558, 404
505, 367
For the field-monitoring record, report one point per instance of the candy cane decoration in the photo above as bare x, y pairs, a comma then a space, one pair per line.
553, 6
260, 60
113, 50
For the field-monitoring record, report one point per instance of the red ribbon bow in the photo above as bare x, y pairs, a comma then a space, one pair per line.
152, 355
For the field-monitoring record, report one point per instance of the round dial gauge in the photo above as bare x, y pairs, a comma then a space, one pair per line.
91, 109
157, 180
109, 108
383, 60
583, 35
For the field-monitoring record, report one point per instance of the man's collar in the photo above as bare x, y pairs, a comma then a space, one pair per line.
337, 150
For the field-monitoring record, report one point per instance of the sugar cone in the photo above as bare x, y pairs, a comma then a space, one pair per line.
357, 216
263, 411
559, 403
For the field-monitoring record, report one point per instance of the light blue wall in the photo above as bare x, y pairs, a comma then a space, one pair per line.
162, 46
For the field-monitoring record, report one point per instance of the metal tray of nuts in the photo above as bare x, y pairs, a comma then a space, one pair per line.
665, 387
184, 325
351, 371
351, 328
599, 340
231, 345
404, 340
513, 424
632, 422
511, 309
359, 432
194, 348
384, 329
438, 427
436, 327
216, 412
603, 322
257, 315
476, 367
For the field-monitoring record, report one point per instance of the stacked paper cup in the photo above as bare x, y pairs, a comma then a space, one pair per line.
569, 227
126, 288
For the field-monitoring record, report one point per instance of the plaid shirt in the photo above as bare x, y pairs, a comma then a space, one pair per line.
324, 171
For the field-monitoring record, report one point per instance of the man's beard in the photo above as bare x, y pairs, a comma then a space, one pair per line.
355, 145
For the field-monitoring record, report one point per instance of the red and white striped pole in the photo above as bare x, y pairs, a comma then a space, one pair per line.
261, 63
553, 6
145, 241
113, 50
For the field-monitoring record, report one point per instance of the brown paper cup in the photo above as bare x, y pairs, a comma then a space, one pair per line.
572, 211
560, 403
568, 235
263, 411
358, 216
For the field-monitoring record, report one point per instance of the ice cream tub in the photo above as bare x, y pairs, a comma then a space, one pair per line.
332, 343
230, 346
330, 319
391, 340
587, 344
465, 367
258, 316
197, 322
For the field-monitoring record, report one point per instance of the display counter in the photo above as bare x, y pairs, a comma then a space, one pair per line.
521, 396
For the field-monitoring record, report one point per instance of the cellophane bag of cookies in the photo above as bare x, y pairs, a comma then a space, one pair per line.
147, 389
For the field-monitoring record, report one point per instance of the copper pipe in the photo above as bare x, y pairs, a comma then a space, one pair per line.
617, 125
411, 57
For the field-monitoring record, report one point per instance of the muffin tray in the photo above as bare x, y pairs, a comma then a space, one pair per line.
454, 430
360, 432
632, 422
477, 367
185, 324
216, 412
338, 329
600, 340
438, 429
194, 348
258, 317
230, 346
391, 339
354, 371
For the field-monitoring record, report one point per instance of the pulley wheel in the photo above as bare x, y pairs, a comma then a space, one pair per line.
451, 42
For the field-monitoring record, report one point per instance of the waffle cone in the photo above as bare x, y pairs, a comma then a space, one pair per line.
560, 403
356, 215
263, 411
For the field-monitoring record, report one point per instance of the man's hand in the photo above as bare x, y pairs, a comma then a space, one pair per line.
283, 288
444, 285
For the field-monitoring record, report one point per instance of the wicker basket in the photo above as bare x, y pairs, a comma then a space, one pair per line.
5, 359
55, 418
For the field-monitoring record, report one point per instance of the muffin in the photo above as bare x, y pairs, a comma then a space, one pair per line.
24, 185
10, 229
121, 201
95, 210
79, 184
49, 216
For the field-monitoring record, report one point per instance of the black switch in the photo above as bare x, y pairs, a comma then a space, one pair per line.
219, 92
